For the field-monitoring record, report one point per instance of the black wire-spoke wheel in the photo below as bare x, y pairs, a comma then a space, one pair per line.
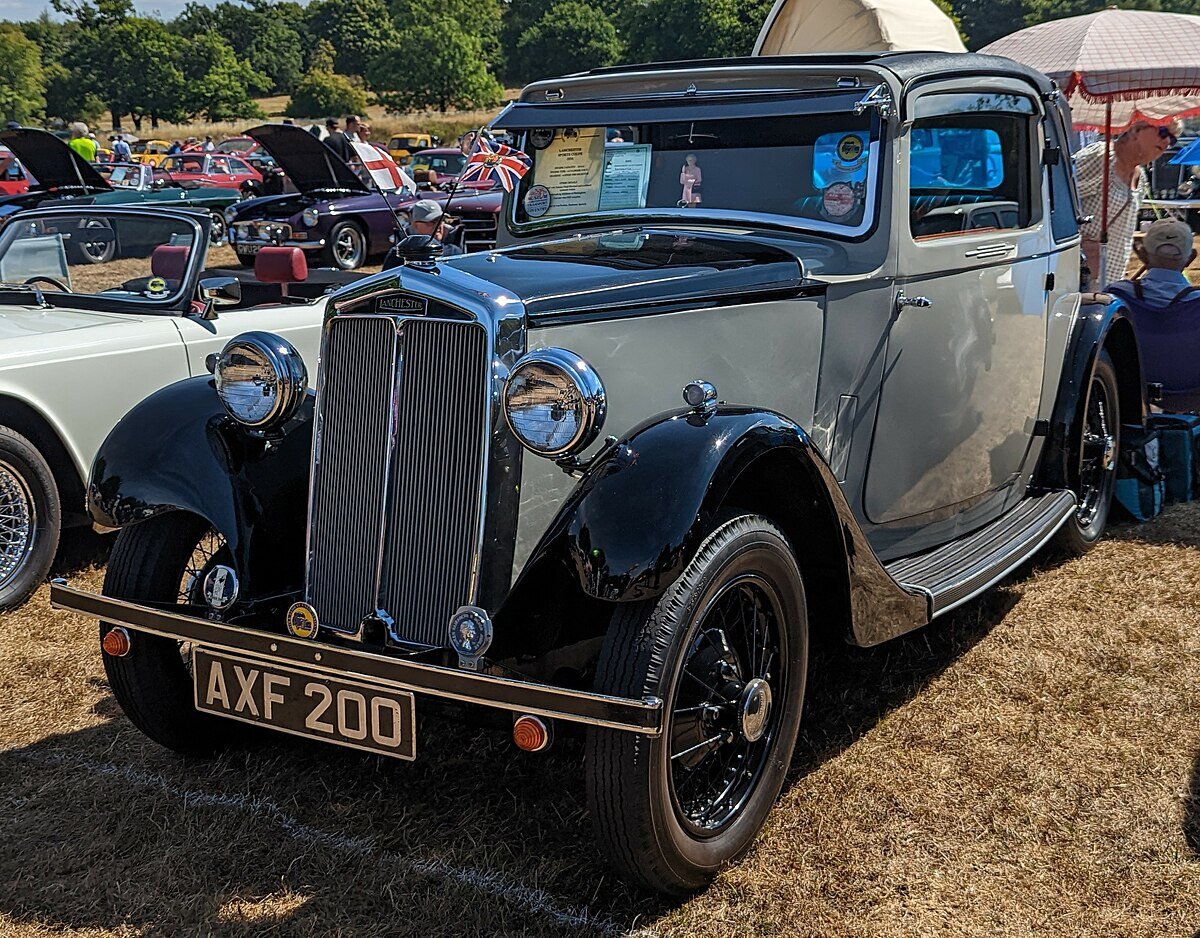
726, 650
164, 560
724, 716
1094, 455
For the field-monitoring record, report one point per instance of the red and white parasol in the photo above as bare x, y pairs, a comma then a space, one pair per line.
1116, 67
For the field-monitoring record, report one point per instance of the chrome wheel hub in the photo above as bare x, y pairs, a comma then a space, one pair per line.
16, 523
347, 247
754, 710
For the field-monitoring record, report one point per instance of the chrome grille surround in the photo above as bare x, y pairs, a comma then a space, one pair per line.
397, 496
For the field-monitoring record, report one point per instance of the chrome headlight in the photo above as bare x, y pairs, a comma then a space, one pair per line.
554, 402
230, 214
310, 217
261, 379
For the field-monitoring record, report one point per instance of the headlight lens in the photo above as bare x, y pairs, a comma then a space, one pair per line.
261, 379
310, 217
554, 402
229, 214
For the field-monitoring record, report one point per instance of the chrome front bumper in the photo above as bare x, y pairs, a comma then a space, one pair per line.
486, 690
259, 243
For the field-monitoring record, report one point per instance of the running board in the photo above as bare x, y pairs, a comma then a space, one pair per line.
959, 571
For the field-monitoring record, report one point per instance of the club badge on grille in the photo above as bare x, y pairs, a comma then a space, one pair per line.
302, 620
403, 303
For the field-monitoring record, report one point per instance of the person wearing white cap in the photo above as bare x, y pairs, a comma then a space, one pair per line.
426, 217
1166, 250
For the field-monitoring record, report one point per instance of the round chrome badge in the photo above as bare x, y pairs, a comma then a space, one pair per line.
302, 620
220, 587
470, 632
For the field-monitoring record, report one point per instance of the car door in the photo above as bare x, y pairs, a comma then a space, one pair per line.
966, 345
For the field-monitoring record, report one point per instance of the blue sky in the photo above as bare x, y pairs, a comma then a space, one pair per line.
19, 10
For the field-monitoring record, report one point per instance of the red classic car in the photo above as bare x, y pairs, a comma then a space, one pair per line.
207, 169
13, 178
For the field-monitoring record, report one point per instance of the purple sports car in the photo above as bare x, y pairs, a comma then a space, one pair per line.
335, 215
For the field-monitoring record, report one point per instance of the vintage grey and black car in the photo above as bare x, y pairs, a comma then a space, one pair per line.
770, 346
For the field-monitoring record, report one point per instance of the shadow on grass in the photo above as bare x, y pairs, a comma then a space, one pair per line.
300, 838
80, 548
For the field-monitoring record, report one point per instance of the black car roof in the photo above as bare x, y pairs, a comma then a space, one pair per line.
907, 67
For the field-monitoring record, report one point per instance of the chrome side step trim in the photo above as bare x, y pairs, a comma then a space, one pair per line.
957, 572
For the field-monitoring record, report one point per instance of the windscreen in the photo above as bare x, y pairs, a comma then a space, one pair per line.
138, 258
818, 168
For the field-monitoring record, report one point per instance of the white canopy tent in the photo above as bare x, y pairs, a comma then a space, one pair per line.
799, 26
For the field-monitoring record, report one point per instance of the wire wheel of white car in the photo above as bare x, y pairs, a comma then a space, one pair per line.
160, 561
347, 248
726, 649
30, 518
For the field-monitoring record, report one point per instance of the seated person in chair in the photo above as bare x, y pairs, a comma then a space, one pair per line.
1165, 312
1166, 250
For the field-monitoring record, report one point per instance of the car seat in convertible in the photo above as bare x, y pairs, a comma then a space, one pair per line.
1169, 340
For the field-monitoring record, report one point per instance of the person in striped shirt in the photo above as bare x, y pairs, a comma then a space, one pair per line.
1137, 147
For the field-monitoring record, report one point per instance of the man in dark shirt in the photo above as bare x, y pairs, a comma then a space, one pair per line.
342, 142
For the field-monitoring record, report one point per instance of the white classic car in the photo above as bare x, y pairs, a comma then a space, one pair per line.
82, 342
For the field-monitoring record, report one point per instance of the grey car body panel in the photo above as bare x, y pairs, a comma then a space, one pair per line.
815, 347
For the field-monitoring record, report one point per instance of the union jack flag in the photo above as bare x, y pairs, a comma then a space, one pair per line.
494, 162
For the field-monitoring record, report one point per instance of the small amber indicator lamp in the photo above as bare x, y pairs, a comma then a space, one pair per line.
116, 642
530, 733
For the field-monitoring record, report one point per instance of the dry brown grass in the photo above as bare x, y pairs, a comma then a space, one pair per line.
1028, 766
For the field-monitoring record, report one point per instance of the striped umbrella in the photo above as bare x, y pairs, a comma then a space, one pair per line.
1117, 67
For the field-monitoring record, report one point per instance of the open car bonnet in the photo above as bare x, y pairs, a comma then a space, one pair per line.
54, 164
307, 161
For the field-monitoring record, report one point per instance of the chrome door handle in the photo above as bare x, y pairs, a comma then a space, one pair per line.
903, 300
991, 250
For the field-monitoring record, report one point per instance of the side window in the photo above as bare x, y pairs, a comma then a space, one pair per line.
1063, 198
970, 165
220, 165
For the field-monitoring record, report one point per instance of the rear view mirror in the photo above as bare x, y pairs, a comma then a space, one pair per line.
221, 291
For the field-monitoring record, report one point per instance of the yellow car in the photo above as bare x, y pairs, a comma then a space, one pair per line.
402, 146
150, 151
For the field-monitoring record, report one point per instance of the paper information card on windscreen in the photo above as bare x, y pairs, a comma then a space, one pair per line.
626, 176
579, 173
571, 169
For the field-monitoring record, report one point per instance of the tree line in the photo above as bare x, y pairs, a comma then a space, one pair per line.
335, 56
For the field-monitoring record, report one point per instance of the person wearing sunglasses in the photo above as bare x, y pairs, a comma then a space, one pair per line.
1141, 144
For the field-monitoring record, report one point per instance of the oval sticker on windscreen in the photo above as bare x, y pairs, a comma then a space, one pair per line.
537, 201
839, 200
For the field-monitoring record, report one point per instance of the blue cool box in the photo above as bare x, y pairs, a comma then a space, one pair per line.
1179, 454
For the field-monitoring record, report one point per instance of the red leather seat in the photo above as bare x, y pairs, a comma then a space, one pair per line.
169, 261
280, 265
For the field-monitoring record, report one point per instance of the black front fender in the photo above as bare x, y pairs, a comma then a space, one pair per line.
178, 450
642, 510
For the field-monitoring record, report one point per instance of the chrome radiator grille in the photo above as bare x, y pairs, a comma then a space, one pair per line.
397, 486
